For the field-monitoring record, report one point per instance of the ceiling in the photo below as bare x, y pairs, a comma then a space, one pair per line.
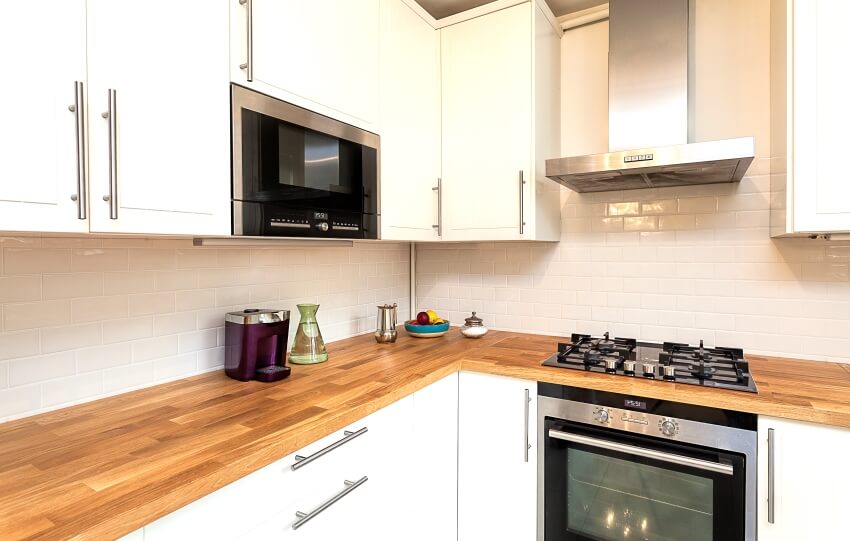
443, 8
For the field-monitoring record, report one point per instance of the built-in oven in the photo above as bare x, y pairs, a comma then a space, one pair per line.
614, 467
297, 173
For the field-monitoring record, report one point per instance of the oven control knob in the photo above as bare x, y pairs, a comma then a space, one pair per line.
322, 226
601, 416
668, 427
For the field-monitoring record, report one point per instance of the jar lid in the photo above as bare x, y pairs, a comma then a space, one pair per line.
250, 316
474, 321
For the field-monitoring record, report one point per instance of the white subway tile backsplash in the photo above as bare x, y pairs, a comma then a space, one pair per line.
101, 357
20, 288
33, 369
134, 312
97, 260
72, 285
36, 315
123, 330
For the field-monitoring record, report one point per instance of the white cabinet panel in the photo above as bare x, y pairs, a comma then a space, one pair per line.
810, 115
44, 43
487, 123
431, 469
811, 481
497, 471
321, 54
410, 124
169, 70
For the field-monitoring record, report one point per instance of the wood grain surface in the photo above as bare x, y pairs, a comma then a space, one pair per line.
105, 468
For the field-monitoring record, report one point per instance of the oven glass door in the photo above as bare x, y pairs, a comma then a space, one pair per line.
296, 167
606, 485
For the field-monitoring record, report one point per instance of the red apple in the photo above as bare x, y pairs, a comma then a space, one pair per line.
422, 318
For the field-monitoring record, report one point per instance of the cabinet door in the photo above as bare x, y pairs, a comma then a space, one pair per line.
45, 45
810, 481
321, 54
169, 71
497, 464
821, 115
410, 124
431, 464
487, 100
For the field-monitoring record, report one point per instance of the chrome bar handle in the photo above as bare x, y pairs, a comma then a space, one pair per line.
111, 116
771, 476
527, 424
80, 122
301, 461
304, 518
248, 66
439, 189
682, 460
521, 202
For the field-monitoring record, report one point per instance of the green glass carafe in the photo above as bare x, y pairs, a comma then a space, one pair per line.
308, 347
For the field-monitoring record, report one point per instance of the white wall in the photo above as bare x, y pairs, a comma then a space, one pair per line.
82, 318
680, 264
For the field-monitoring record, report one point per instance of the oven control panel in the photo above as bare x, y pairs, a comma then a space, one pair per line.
601, 415
667, 426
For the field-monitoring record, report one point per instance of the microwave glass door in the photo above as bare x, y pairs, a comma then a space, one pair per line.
602, 487
297, 167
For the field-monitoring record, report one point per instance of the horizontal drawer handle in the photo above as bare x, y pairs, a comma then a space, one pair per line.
303, 518
301, 461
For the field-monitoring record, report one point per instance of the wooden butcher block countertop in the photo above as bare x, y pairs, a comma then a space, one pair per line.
106, 468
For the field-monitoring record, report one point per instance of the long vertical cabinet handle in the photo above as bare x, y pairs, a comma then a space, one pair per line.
80, 122
248, 66
771, 476
111, 115
527, 446
521, 202
439, 189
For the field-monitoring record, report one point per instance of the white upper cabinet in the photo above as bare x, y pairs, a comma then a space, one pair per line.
500, 121
497, 458
810, 115
809, 498
163, 158
321, 55
45, 46
410, 125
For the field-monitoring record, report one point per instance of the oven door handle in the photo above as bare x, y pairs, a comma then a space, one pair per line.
706, 465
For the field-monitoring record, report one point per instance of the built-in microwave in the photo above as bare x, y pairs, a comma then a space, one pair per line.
297, 173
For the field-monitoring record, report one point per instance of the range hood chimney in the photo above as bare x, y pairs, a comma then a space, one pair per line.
648, 110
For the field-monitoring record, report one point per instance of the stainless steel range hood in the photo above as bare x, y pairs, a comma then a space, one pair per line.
648, 119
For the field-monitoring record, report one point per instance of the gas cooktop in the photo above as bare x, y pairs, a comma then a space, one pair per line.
719, 367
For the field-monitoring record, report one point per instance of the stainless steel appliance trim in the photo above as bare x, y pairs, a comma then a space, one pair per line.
724, 438
302, 461
80, 124
527, 405
706, 465
248, 66
521, 203
771, 476
260, 316
439, 189
110, 115
242, 98
303, 518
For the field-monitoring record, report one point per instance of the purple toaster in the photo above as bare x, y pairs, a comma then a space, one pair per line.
255, 344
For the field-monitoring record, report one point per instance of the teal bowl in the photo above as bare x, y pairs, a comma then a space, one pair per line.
426, 331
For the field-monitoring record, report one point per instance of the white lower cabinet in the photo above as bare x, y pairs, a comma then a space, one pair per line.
497, 458
810, 478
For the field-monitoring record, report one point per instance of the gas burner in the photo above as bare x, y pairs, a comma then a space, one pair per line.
669, 362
